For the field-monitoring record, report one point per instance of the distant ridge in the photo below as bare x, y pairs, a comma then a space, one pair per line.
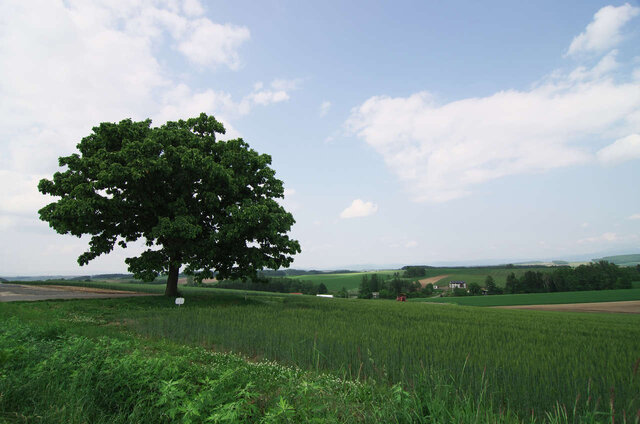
624, 260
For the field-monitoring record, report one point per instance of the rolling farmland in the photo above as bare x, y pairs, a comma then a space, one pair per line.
351, 281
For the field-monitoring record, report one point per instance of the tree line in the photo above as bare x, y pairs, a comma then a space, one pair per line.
391, 287
278, 285
600, 275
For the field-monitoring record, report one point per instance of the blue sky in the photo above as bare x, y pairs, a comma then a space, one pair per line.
405, 132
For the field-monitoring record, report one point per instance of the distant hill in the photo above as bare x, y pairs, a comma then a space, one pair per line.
623, 260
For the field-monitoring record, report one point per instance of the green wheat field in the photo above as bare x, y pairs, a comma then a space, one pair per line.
358, 360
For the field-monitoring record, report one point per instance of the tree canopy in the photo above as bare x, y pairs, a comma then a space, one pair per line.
196, 201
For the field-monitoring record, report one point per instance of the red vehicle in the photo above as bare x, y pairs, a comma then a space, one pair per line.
401, 297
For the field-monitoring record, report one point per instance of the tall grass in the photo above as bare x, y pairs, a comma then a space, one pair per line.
48, 374
421, 362
531, 360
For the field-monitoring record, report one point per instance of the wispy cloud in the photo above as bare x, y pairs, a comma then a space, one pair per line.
605, 237
441, 151
359, 209
635, 216
324, 108
623, 149
604, 32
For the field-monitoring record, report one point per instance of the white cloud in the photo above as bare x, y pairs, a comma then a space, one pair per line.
20, 194
192, 8
605, 237
265, 97
635, 216
607, 64
286, 84
289, 192
442, 150
623, 149
358, 209
67, 66
278, 92
411, 243
603, 32
324, 108
211, 45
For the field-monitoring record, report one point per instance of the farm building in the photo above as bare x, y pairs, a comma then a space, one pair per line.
457, 284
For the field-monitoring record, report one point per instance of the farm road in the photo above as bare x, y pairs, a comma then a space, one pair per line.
623, 307
20, 292
432, 280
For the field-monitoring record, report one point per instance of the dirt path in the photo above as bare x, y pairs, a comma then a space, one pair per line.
624, 307
432, 280
24, 292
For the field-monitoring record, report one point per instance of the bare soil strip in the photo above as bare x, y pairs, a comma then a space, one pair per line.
86, 289
432, 280
25, 292
623, 307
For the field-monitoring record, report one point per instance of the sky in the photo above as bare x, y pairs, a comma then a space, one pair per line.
406, 132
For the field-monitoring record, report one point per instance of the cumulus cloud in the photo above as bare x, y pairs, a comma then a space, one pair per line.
604, 32
66, 66
210, 44
358, 209
324, 108
607, 64
277, 92
442, 150
621, 150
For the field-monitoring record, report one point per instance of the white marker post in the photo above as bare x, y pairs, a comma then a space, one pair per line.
179, 301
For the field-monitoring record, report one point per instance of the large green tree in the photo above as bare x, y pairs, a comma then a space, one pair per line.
197, 202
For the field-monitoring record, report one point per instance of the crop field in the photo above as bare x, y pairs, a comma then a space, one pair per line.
520, 361
479, 274
538, 298
349, 281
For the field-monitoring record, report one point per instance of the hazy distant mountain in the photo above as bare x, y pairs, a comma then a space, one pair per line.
624, 260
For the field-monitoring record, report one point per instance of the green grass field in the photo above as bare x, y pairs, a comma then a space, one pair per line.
538, 298
349, 281
513, 360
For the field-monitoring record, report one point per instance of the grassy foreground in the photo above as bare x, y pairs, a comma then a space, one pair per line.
413, 362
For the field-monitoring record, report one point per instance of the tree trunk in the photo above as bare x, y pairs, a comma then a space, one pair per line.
172, 281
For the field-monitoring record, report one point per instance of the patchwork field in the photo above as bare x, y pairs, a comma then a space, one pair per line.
539, 298
478, 275
515, 361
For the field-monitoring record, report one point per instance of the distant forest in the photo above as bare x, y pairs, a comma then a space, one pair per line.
602, 275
